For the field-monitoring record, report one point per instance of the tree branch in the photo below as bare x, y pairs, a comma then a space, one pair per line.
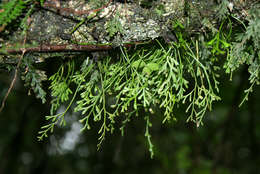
68, 48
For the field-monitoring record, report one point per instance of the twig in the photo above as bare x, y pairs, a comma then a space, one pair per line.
23, 51
15, 76
68, 48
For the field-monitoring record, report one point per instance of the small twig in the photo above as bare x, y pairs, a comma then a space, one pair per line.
23, 51
69, 48
15, 76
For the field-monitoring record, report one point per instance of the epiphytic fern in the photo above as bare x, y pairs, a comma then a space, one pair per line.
10, 11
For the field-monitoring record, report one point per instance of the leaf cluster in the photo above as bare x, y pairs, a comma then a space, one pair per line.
246, 50
114, 26
33, 78
11, 10
143, 80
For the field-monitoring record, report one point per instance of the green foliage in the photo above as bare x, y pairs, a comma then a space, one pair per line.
159, 10
61, 94
161, 77
183, 160
222, 9
219, 43
246, 50
139, 81
114, 26
42, 2
61, 80
33, 78
11, 10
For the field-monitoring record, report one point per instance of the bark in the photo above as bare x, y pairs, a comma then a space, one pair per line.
80, 25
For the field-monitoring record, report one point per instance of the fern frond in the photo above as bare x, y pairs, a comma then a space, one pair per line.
10, 11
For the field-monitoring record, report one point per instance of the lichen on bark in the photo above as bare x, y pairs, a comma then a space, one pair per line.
65, 22
108, 22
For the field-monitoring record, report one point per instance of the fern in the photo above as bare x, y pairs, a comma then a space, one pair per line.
245, 50
42, 2
10, 11
60, 85
62, 94
114, 26
33, 78
158, 78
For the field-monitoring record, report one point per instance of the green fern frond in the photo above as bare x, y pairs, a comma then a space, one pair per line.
114, 26
10, 11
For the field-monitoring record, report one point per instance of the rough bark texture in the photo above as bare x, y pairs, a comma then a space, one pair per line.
78, 25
